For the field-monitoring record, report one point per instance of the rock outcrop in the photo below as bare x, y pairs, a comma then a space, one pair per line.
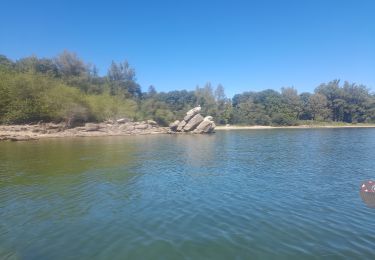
181, 126
193, 122
191, 113
206, 126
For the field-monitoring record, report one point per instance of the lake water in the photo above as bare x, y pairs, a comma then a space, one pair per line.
258, 194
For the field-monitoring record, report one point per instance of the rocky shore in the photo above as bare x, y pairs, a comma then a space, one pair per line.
193, 122
51, 130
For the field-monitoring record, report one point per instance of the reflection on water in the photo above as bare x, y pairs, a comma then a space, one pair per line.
260, 194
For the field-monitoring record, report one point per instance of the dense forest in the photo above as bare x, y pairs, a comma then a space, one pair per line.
66, 89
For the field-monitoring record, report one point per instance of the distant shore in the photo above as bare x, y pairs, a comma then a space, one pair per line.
255, 127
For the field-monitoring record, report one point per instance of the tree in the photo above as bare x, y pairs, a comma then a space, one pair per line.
122, 80
317, 106
251, 113
357, 99
272, 101
333, 93
292, 102
306, 112
206, 99
121, 72
151, 91
35, 65
152, 108
68, 89
5, 94
5, 62
349, 103
221, 102
220, 96
69, 65
178, 101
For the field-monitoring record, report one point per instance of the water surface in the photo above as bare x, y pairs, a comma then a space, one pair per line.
259, 194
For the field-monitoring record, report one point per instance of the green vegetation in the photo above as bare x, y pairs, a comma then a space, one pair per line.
66, 89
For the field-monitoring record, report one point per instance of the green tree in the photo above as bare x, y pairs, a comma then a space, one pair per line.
5, 62
221, 105
317, 106
293, 104
206, 99
122, 80
306, 112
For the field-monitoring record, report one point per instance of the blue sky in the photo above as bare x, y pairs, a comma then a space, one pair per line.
244, 45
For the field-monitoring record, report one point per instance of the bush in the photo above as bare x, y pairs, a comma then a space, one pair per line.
22, 97
283, 120
163, 117
32, 97
104, 107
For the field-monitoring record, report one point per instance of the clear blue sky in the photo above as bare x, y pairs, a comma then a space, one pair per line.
245, 45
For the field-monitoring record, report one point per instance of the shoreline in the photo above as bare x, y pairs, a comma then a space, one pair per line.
261, 127
50, 130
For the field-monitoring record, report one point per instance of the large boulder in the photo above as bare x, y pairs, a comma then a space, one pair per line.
191, 113
195, 121
181, 125
206, 126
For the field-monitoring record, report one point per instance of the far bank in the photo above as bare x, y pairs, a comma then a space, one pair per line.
257, 127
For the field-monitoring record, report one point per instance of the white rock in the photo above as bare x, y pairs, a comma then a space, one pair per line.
191, 113
181, 125
194, 122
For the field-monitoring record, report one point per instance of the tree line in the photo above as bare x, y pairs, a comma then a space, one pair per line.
66, 89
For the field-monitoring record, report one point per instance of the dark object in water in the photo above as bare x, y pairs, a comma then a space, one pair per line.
367, 192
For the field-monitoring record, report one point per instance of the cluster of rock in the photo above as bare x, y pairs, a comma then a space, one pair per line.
193, 122
121, 126
110, 128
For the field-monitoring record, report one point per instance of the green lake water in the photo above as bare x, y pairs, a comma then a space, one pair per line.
259, 194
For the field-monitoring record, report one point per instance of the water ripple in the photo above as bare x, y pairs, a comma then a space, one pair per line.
285, 194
